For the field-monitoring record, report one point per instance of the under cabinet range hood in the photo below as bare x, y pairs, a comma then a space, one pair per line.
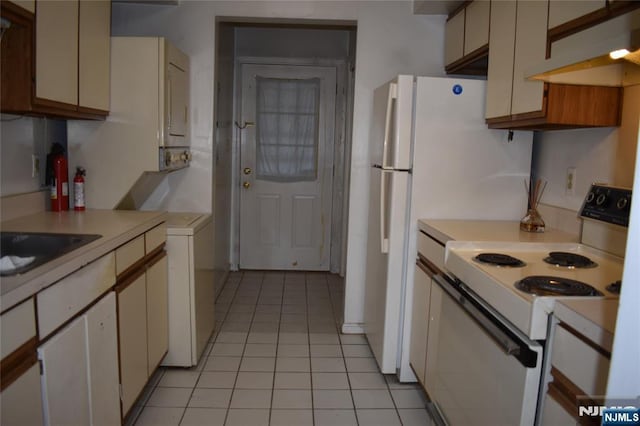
594, 64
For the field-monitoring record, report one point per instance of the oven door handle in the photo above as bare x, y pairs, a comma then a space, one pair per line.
508, 345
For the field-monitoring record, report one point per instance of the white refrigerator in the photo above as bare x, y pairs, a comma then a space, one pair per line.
432, 157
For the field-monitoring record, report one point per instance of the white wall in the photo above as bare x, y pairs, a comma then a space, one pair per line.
292, 42
604, 155
20, 138
390, 40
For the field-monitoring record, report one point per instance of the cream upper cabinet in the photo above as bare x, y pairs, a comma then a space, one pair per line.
454, 38
94, 54
72, 57
57, 51
476, 25
530, 49
500, 71
563, 11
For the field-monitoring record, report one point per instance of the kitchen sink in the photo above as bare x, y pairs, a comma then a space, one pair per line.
22, 251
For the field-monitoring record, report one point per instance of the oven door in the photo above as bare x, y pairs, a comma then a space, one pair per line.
479, 369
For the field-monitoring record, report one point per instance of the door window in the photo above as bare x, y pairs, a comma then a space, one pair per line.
287, 112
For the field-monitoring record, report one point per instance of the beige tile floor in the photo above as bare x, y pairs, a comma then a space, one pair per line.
277, 358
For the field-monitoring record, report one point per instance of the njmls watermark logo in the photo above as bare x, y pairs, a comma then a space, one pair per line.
613, 412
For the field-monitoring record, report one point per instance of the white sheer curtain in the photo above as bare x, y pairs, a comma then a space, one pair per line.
287, 129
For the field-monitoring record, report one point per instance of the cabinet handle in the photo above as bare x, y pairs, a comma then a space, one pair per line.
185, 114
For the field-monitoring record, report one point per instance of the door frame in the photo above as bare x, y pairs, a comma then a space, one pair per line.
341, 155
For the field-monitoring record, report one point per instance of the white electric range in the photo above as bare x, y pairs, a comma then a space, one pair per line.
529, 312
490, 322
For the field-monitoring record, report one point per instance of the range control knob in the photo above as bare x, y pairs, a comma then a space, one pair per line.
590, 197
168, 158
622, 203
602, 198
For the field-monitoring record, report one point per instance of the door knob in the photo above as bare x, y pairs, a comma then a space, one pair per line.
246, 185
246, 171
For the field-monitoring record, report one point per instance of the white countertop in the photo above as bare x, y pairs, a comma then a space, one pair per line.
594, 319
489, 230
116, 227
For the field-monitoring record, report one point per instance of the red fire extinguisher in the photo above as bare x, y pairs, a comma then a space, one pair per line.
58, 178
78, 189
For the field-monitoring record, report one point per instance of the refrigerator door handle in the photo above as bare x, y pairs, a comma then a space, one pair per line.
393, 94
384, 239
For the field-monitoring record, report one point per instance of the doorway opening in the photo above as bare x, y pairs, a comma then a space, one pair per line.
283, 118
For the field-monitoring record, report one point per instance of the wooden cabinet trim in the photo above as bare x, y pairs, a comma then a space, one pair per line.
427, 267
566, 393
18, 362
586, 341
18, 61
131, 277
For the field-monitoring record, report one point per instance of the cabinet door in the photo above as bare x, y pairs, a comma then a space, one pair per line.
132, 328
476, 25
102, 346
454, 38
563, 11
500, 72
157, 313
94, 54
57, 51
21, 401
530, 49
177, 103
65, 379
419, 322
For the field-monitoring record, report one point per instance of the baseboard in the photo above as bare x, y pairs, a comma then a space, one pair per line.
352, 328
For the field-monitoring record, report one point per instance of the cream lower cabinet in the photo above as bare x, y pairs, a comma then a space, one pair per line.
157, 313
420, 322
20, 399
132, 328
143, 323
80, 369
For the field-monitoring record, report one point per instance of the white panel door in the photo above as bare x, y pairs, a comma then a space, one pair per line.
286, 166
102, 346
65, 381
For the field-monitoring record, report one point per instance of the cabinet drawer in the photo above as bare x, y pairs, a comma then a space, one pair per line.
155, 238
18, 326
73, 293
587, 368
129, 254
431, 249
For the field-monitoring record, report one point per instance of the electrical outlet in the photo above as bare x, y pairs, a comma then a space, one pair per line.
35, 166
571, 181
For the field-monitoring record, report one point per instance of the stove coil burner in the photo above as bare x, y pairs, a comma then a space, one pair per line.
614, 287
541, 285
569, 260
498, 259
